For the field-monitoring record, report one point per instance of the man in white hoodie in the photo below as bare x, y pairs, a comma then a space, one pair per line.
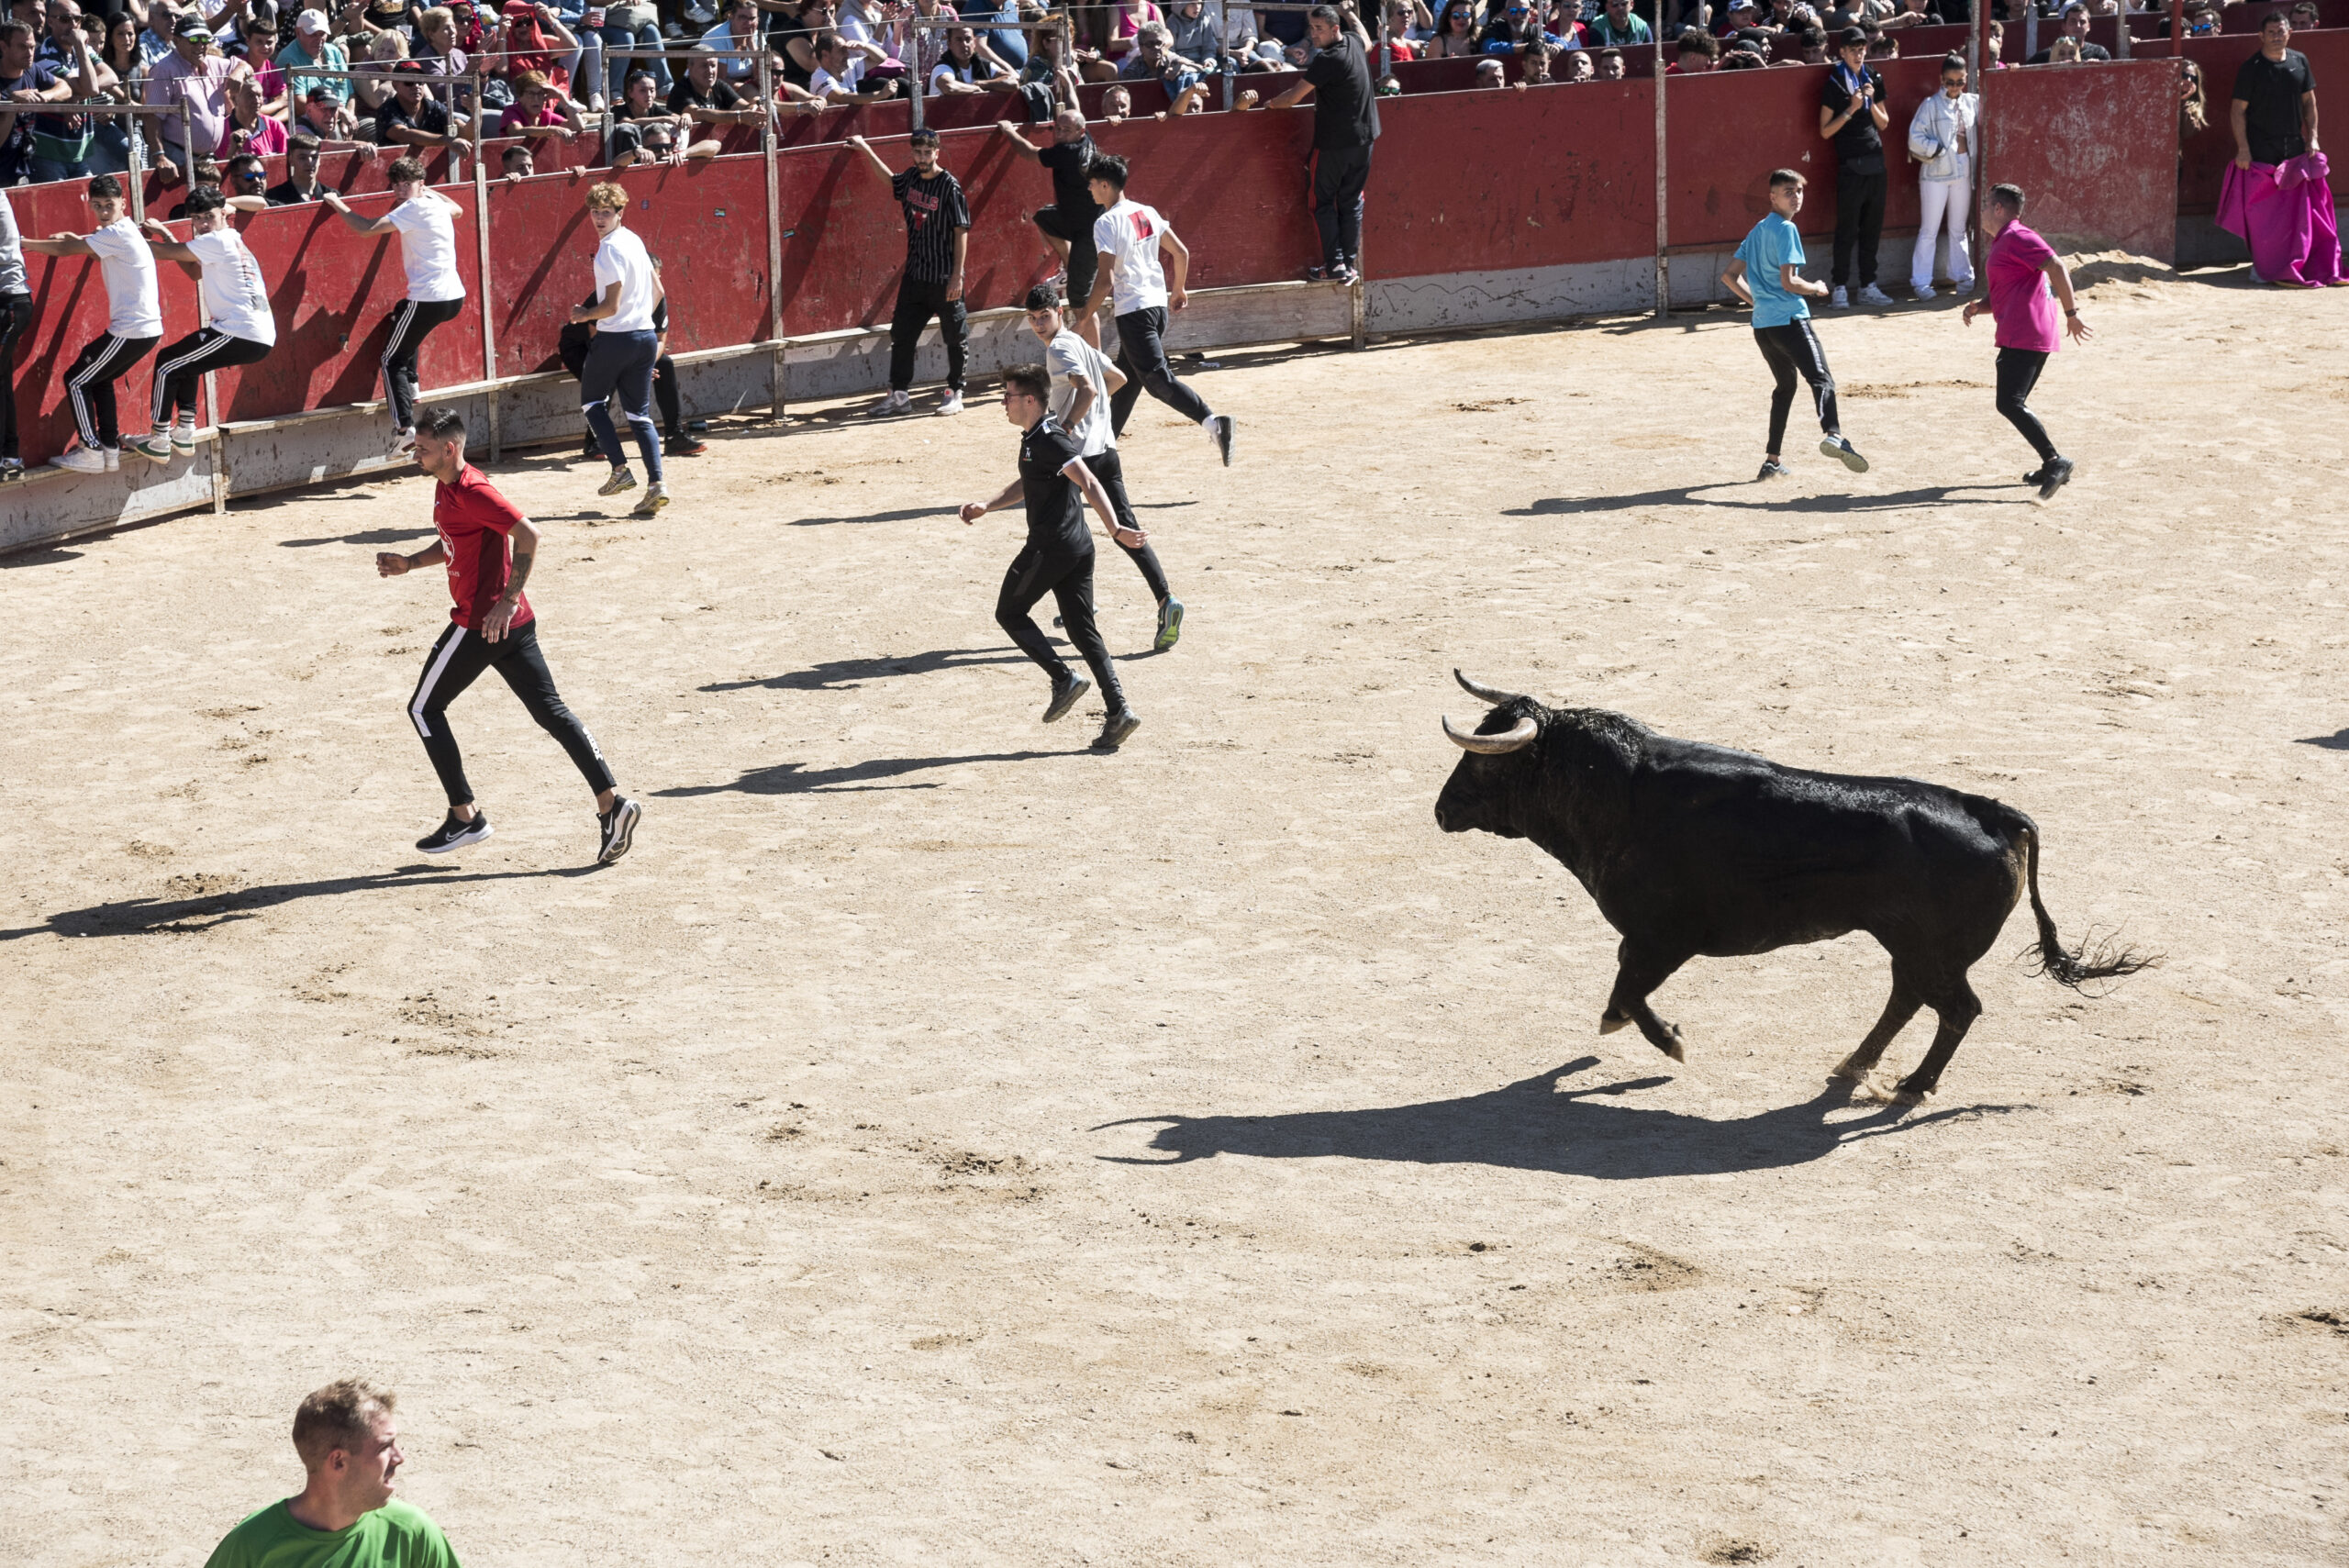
1940, 138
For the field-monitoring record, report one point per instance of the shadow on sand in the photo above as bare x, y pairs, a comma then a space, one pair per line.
1538, 1125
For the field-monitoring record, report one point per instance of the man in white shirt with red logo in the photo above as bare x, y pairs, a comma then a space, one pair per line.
239, 331
1130, 237
425, 222
133, 325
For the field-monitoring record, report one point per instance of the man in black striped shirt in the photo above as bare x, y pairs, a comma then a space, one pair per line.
938, 232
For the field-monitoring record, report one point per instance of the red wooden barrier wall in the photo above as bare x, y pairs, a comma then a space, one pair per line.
2093, 148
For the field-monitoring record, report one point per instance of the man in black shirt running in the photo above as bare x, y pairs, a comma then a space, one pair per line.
1067, 224
1058, 557
938, 233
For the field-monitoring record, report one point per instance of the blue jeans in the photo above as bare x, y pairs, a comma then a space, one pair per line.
110, 150
1012, 46
648, 36
622, 363
44, 170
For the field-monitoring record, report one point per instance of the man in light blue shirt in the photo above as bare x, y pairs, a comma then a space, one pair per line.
1767, 274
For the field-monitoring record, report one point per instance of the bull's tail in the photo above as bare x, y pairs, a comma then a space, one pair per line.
2073, 967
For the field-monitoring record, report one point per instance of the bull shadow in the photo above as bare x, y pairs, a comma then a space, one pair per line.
798, 778
1701, 495
2336, 741
1536, 1124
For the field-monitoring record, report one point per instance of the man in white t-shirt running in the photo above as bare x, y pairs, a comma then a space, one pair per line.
625, 349
1130, 237
240, 328
425, 222
133, 325
1083, 383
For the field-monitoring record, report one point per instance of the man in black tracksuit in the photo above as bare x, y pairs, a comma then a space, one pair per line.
1058, 557
938, 233
1345, 123
1853, 116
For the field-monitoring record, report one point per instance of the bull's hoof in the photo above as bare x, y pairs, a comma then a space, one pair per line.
1905, 1095
1609, 1023
1852, 1070
1675, 1050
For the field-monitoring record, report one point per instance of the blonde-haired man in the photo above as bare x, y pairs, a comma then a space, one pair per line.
345, 1513
626, 348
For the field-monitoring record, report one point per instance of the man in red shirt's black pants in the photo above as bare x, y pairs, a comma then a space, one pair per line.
492, 627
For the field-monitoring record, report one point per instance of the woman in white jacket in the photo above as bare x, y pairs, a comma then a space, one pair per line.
1940, 137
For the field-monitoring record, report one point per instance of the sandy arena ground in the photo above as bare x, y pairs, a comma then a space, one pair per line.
938, 1144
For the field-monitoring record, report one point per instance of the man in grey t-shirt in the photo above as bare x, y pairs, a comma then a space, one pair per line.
16, 317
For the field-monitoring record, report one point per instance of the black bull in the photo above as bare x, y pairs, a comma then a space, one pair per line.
1690, 849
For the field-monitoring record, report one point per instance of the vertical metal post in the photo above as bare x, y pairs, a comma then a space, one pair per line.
1977, 45
1663, 226
1386, 46
920, 86
777, 370
488, 289
137, 175
1223, 49
2177, 28
2120, 34
2029, 30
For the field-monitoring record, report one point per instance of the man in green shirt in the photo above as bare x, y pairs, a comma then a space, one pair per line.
345, 1513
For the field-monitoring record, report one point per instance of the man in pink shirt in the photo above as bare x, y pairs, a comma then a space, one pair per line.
2020, 270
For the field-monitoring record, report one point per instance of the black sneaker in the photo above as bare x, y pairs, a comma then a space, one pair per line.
2036, 476
1774, 468
1219, 431
618, 827
683, 446
1841, 449
1114, 728
2054, 477
454, 835
11, 470
1067, 697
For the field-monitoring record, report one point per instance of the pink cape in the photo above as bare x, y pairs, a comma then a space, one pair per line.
2284, 212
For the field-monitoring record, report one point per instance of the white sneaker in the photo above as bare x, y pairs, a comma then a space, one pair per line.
79, 460
1962, 285
1874, 295
953, 404
896, 403
403, 442
113, 456
1839, 300
1925, 291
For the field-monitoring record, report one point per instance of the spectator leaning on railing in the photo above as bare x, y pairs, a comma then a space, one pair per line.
62, 143
301, 183
311, 47
24, 81
194, 82
410, 118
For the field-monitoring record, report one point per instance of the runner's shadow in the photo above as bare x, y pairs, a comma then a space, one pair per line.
1693, 496
372, 536
843, 674
147, 916
906, 515
1534, 1125
797, 778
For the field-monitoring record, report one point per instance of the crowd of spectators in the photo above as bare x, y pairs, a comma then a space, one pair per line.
663, 80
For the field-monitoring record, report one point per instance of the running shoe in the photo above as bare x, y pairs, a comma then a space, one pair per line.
11, 470
2054, 477
1220, 431
1874, 295
953, 404
1925, 291
184, 435
1772, 469
454, 835
618, 828
113, 456
896, 403
1170, 625
621, 478
1841, 449
1340, 273
403, 442
591, 451
683, 446
1839, 300
155, 447
1067, 697
656, 495
1114, 728
2036, 476
78, 458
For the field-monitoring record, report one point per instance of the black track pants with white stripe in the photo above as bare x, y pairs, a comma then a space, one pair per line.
410, 321
455, 662
1793, 353
89, 386
180, 366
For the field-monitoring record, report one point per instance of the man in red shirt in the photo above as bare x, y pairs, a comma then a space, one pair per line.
491, 626
2018, 270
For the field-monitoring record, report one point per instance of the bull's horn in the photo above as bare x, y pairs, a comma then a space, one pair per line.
1516, 740
1486, 692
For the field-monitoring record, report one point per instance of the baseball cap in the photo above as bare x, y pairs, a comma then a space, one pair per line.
310, 21
409, 68
190, 26
1852, 37
323, 93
